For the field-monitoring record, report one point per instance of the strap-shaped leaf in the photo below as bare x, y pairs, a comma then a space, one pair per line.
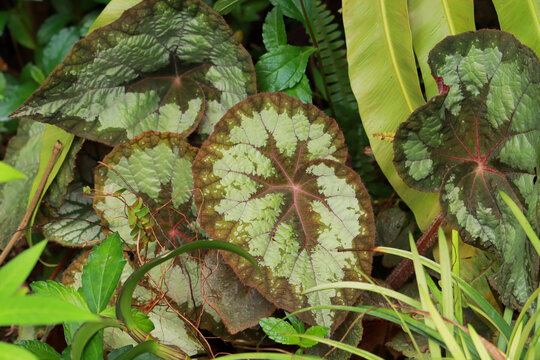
155, 173
265, 186
163, 65
385, 82
479, 137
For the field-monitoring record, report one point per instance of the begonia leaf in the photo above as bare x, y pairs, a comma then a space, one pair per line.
479, 136
151, 171
271, 179
164, 65
238, 306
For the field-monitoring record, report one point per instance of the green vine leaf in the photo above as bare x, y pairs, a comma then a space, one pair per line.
271, 179
481, 135
164, 65
144, 181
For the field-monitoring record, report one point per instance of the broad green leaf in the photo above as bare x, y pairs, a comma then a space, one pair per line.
273, 31
8, 173
76, 223
164, 65
40, 310
316, 330
10, 352
350, 333
280, 331
238, 306
156, 168
57, 48
102, 272
20, 28
16, 91
67, 294
51, 26
477, 138
384, 80
23, 154
301, 91
265, 187
42, 350
521, 18
17, 270
293, 9
433, 20
283, 67
4, 16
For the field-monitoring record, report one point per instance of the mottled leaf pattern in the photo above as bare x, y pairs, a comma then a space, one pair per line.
272, 180
76, 223
23, 154
155, 167
481, 135
238, 306
164, 65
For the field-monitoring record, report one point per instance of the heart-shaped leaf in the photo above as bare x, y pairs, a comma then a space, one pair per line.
481, 135
267, 180
163, 65
146, 181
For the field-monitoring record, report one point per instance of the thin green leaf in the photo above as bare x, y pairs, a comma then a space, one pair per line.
10, 352
431, 21
351, 349
273, 32
40, 310
280, 331
42, 350
87, 331
446, 278
226, 6
268, 356
17, 270
102, 272
521, 18
8, 173
283, 67
297, 324
384, 80
531, 234
113, 10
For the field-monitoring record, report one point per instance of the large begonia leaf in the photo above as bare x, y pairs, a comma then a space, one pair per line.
164, 65
23, 154
272, 180
155, 168
238, 306
479, 136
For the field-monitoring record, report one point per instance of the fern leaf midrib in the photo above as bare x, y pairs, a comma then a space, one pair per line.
534, 12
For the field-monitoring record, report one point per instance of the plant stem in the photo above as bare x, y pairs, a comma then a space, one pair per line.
405, 269
33, 204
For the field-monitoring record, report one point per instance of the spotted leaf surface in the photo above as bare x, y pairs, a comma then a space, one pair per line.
272, 180
154, 171
479, 136
164, 65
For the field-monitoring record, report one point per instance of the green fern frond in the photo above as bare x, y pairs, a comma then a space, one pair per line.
333, 61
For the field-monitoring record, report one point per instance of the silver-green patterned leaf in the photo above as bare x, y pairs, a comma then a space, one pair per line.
152, 172
481, 135
23, 154
271, 179
76, 223
164, 65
